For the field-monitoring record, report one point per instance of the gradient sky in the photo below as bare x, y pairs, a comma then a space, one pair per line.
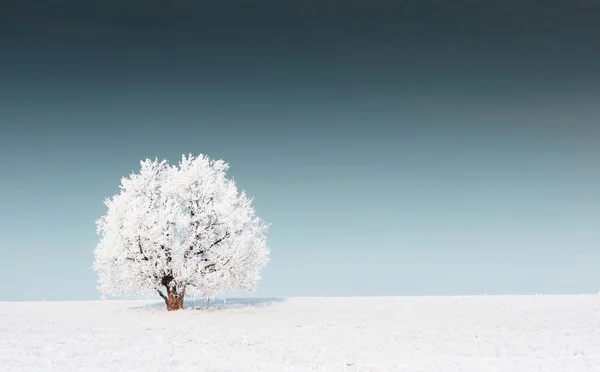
396, 147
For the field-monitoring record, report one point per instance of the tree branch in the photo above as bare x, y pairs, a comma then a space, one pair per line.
161, 294
220, 240
211, 267
191, 249
198, 236
141, 251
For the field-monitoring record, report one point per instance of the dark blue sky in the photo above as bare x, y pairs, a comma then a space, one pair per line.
397, 147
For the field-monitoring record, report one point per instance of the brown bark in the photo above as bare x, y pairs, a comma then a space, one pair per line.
174, 300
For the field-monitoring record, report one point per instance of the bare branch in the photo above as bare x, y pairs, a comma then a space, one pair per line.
161, 294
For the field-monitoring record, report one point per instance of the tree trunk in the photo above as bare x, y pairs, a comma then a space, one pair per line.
174, 300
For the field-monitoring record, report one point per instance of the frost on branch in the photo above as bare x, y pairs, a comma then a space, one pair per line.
180, 230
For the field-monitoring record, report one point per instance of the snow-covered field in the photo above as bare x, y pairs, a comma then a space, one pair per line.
434, 334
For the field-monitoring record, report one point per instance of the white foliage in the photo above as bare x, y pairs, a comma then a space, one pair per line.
186, 226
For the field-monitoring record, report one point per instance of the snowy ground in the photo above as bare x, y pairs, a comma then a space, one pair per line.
434, 334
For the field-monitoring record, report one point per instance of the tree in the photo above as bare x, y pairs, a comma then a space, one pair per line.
183, 229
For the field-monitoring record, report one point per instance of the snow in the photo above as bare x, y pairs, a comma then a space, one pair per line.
486, 333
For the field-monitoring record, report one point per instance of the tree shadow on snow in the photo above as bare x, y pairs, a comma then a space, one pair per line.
220, 304
233, 303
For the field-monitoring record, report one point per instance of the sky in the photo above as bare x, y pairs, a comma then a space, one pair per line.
396, 147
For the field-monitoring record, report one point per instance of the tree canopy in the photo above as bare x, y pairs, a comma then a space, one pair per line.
183, 228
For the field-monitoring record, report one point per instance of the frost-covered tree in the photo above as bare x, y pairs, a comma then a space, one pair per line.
180, 230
